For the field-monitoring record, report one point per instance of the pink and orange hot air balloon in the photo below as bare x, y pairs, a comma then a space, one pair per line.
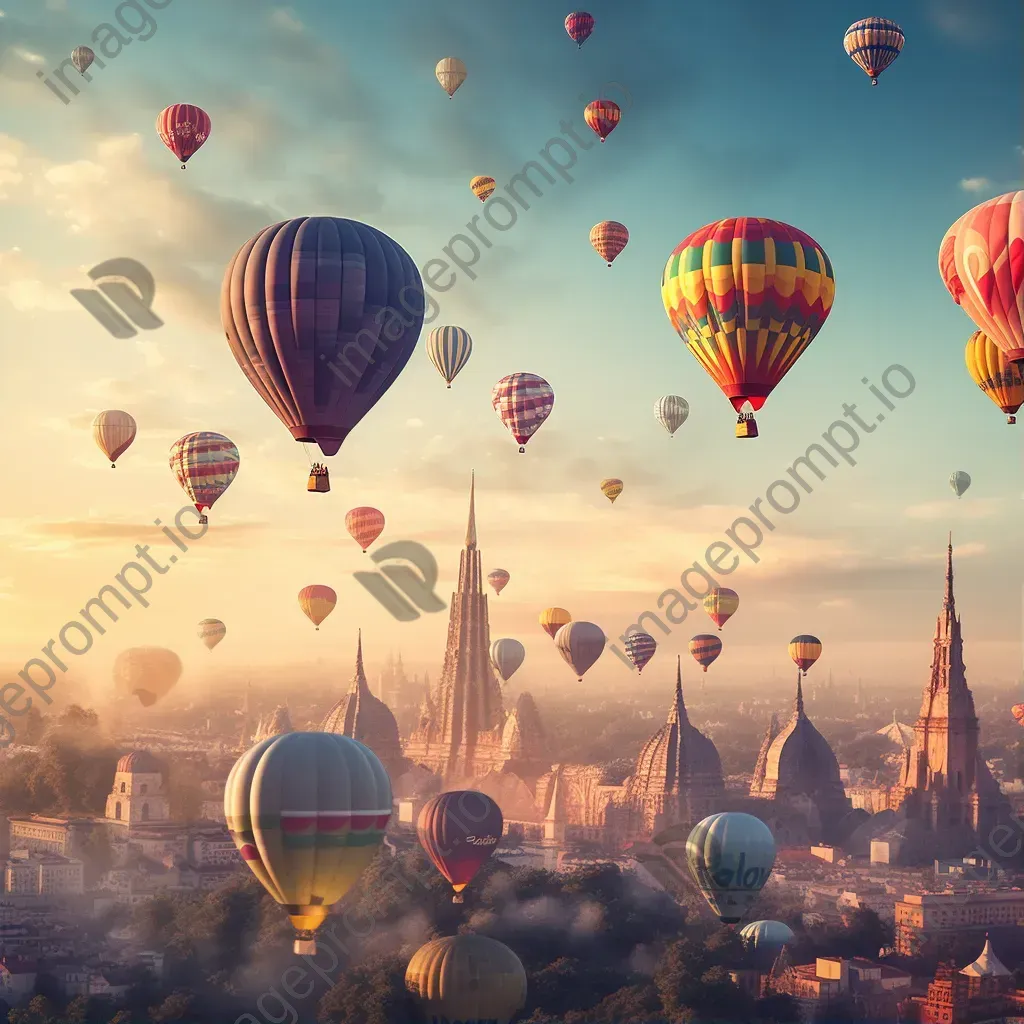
523, 401
602, 116
498, 578
579, 25
609, 238
183, 128
317, 602
205, 463
981, 262
1018, 713
364, 525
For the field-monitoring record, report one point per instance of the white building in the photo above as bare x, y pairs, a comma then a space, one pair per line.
138, 796
44, 875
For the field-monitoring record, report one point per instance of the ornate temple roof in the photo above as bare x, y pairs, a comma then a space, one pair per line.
363, 717
677, 755
523, 735
762, 755
139, 761
275, 724
897, 732
988, 965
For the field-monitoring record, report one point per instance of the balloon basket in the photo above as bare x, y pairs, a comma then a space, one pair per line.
746, 425
319, 480
304, 947
1011, 420
204, 520
458, 898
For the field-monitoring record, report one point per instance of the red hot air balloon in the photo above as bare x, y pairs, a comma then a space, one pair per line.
602, 116
321, 314
458, 832
183, 128
609, 238
523, 401
579, 25
364, 525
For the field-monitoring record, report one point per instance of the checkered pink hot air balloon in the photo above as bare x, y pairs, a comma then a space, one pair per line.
183, 128
609, 238
364, 525
523, 401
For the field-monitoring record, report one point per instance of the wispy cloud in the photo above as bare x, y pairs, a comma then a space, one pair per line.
969, 508
975, 184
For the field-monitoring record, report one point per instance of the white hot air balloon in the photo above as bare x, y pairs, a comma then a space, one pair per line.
671, 412
451, 73
580, 644
506, 657
113, 431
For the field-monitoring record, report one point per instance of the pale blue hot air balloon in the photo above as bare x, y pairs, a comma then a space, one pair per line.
959, 481
506, 657
671, 412
765, 939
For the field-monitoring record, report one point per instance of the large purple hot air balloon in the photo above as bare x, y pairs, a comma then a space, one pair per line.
322, 314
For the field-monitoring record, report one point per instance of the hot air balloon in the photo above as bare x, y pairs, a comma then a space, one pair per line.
580, 644
765, 939
805, 650
579, 25
211, 632
468, 978
317, 602
307, 812
602, 116
671, 412
523, 401
997, 377
183, 128
113, 431
449, 349
730, 856
321, 314
959, 481
720, 604
459, 831
981, 261
205, 464
506, 657
364, 525
611, 488
873, 44
553, 619
498, 578
640, 648
705, 648
483, 187
82, 57
147, 673
747, 322
1018, 713
609, 238
451, 73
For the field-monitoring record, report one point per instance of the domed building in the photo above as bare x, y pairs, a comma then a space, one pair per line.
138, 796
365, 718
678, 776
802, 772
276, 723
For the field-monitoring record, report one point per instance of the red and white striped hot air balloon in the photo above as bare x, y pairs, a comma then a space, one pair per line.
364, 525
205, 463
183, 128
609, 238
523, 401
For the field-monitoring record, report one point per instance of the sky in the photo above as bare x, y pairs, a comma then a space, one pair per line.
737, 108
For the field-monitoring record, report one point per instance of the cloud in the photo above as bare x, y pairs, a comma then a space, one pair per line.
965, 508
975, 184
415, 422
54, 535
972, 23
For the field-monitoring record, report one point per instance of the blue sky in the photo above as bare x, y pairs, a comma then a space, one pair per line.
738, 108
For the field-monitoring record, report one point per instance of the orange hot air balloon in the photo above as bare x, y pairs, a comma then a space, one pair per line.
720, 604
997, 377
981, 261
317, 602
805, 650
1018, 713
609, 238
183, 128
364, 525
705, 648
553, 619
602, 116
483, 187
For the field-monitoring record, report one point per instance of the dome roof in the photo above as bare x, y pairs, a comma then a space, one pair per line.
897, 732
988, 965
677, 755
139, 761
363, 717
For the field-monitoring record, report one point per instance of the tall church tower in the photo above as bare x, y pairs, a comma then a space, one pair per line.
944, 781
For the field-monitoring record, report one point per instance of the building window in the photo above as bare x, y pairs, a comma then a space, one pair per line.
142, 789
122, 787
117, 809
145, 812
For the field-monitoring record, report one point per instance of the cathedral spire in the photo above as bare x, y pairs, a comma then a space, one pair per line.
798, 707
471, 527
677, 713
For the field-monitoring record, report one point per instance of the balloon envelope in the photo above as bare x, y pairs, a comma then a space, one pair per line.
82, 57
611, 488
147, 673
322, 314
482, 187
705, 648
959, 481
498, 579
580, 644
981, 261
467, 978
183, 128
364, 525
997, 377
1018, 713
459, 831
805, 650
873, 44
506, 657
671, 412
730, 856
211, 632
205, 463
579, 25
553, 619
523, 401
765, 939
609, 238
720, 604
307, 811
317, 602
602, 116
113, 431
449, 349
640, 648
451, 73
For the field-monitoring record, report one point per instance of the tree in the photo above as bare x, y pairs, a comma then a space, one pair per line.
121, 1017
372, 993
176, 1007
77, 1011
778, 1008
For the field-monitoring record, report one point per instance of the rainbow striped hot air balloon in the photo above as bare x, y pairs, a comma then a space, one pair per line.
364, 525
705, 648
602, 116
523, 401
720, 604
307, 812
205, 464
997, 377
805, 650
449, 349
873, 44
317, 602
640, 648
609, 238
611, 488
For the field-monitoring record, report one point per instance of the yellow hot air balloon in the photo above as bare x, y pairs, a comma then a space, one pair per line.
467, 978
307, 811
451, 73
147, 673
553, 619
483, 187
114, 432
317, 602
611, 488
1000, 379
720, 604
